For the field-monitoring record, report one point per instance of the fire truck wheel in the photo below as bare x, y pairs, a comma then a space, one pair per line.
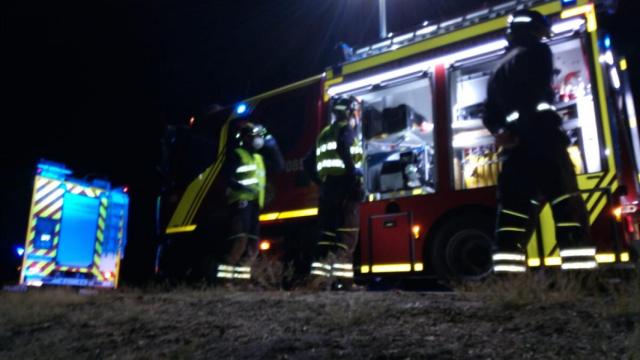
462, 248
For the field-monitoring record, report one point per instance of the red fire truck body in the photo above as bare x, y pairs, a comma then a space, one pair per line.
430, 207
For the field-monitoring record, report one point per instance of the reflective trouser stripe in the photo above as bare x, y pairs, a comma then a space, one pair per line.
514, 213
236, 236
513, 229
233, 272
509, 268
568, 224
333, 243
509, 262
344, 270
578, 258
348, 230
561, 198
329, 233
321, 269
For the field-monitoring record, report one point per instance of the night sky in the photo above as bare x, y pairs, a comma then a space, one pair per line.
92, 84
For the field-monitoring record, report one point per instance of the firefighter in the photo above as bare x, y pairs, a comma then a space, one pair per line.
535, 164
245, 175
338, 159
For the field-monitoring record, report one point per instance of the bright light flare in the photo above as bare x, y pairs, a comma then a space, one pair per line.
265, 245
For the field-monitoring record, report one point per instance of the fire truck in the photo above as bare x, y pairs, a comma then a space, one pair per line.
77, 230
430, 167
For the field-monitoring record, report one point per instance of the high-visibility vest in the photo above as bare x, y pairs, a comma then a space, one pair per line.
328, 162
250, 173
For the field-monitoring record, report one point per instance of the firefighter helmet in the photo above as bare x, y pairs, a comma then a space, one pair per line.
343, 107
250, 129
528, 24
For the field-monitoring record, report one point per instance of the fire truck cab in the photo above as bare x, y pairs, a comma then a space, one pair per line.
430, 166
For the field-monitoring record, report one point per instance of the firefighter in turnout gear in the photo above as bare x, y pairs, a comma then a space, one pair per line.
338, 161
245, 175
536, 167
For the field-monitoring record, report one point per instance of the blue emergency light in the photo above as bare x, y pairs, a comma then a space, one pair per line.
19, 250
241, 109
569, 2
606, 41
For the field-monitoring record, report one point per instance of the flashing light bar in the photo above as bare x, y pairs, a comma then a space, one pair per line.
569, 2
19, 250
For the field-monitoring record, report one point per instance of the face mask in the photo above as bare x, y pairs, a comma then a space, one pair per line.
258, 142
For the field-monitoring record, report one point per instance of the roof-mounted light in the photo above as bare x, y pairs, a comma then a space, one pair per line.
241, 109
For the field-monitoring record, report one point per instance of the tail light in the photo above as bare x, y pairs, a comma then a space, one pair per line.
265, 245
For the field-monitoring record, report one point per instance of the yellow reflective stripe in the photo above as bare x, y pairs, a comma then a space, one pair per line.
624, 257
561, 198
568, 224
179, 229
388, 268
329, 233
533, 262
516, 229
348, 229
289, 214
606, 258
514, 213
552, 261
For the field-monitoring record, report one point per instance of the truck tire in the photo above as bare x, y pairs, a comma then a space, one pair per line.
461, 249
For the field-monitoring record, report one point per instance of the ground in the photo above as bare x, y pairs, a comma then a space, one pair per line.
511, 319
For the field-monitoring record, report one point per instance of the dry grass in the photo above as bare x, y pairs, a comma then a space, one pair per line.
20, 310
271, 274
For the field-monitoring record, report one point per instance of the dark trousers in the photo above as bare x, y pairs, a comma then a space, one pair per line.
243, 234
539, 170
338, 211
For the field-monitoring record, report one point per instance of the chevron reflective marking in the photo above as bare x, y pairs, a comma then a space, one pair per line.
52, 208
40, 181
46, 190
48, 268
44, 203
